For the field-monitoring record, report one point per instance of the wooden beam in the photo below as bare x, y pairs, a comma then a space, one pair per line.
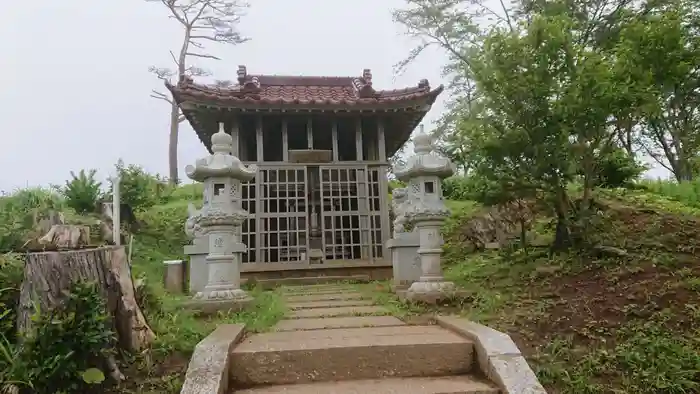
259, 138
334, 136
285, 141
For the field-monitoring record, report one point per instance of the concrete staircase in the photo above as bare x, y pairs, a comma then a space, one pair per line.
336, 341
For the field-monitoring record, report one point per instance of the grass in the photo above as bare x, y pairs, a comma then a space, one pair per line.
161, 369
588, 323
591, 323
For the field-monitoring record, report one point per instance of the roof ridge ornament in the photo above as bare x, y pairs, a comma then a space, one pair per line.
363, 85
242, 74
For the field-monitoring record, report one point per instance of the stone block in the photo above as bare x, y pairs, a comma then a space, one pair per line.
498, 356
197, 268
174, 279
349, 354
208, 371
405, 259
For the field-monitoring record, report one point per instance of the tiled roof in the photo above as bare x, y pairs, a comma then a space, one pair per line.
303, 90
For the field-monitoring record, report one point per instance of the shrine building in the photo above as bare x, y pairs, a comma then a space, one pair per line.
320, 201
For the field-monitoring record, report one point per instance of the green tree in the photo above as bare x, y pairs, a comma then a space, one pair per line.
660, 52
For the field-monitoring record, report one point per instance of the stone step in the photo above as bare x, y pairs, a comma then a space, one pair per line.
337, 322
318, 289
439, 385
324, 297
349, 354
319, 292
319, 285
328, 304
315, 280
338, 312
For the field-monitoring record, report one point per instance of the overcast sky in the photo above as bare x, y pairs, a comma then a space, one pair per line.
74, 85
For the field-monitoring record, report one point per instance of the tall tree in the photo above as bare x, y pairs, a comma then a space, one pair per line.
660, 51
202, 22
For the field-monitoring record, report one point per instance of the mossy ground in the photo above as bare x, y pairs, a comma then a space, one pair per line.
590, 323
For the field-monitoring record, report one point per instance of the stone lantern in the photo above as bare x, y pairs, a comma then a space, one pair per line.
220, 220
426, 210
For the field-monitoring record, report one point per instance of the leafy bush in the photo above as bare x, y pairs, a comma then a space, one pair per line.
11, 275
19, 212
83, 191
67, 347
139, 189
458, 188
617, 169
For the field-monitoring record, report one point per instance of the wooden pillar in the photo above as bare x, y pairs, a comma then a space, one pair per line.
381, 142
259, 138
334, 136
310, 133
285, 141
358, 139
236, 135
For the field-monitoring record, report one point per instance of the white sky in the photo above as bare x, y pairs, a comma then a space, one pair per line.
74, 85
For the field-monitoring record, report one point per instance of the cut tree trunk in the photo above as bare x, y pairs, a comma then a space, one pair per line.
47, 275
66, 236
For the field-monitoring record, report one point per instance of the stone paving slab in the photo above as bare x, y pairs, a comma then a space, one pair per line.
324, 297
337, 322
320, 292
338, 312
349, 354
326, 290
438, 385
328, 304
318, 286
349, 337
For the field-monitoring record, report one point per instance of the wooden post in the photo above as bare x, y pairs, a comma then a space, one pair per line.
309, 133
116, 204
285, 141
381, 143
334, 136
358, 139
235, 134
259, 138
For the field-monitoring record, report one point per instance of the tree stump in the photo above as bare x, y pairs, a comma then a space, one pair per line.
47, 275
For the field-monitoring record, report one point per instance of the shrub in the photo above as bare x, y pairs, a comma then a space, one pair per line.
458, 188
139, 189
66, 350
11, 276
82, 192
617, 169
19, 212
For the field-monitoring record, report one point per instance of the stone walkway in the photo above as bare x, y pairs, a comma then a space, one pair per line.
336, 341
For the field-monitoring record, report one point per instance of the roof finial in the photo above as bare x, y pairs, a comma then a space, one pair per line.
242, 74
367, 76
221, 142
